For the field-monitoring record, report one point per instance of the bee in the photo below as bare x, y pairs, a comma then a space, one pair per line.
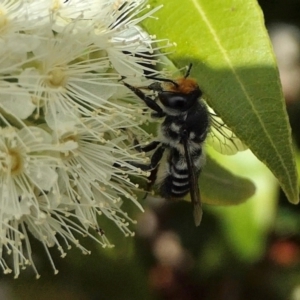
179, 156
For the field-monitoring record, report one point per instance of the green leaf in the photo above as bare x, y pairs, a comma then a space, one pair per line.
234, 64
218, 186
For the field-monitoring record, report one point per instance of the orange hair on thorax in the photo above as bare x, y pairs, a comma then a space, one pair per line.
185, 85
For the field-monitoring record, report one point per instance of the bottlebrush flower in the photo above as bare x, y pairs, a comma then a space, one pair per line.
66, 121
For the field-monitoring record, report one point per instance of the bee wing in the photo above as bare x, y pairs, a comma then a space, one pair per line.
221, 138
194, 188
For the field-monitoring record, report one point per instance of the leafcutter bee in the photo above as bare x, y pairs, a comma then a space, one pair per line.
179, 154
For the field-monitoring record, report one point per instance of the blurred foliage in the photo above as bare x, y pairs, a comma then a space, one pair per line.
247, 252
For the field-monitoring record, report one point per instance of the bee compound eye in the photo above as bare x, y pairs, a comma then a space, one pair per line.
173, 101
178, 103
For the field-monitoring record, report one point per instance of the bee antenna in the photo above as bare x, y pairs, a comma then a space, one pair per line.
188, 70
172, 81
163, 79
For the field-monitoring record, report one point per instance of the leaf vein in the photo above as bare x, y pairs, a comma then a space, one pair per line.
224, 53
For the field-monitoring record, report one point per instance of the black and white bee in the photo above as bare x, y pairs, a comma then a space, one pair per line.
179, 154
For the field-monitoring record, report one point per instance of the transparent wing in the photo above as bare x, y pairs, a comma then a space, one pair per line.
221, 138
194, 188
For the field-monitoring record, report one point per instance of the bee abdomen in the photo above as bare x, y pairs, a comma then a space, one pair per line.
176, 183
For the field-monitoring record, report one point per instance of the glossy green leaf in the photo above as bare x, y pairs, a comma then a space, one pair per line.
218, 186
233, 61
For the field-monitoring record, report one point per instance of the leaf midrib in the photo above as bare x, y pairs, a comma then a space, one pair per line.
224, 53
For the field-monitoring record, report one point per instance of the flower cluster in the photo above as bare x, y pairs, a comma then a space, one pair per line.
65, 120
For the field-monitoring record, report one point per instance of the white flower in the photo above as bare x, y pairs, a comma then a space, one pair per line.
91, 174
68, 80
15, 101
25, 169
14, 23
67, 124
125, 43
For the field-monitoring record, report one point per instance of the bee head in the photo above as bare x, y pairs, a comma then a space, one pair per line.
180, 95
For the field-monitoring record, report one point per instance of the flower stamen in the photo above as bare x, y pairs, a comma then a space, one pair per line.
57, 77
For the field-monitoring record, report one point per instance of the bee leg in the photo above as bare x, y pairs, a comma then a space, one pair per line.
157, 155
153, 166
159, 113
155, 159
155, 86
153, 145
